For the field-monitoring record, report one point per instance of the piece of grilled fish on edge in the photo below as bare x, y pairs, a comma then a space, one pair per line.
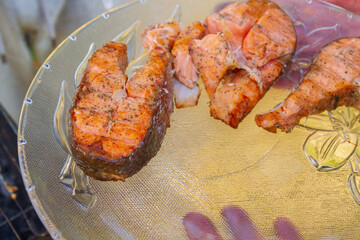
332, 80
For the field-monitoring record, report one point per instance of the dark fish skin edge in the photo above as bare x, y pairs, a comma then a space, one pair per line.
120, 169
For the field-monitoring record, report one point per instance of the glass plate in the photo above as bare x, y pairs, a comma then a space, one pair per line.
203, 164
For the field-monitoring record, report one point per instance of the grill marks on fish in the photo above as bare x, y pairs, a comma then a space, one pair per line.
96, 112
212, 58
272, 37
332, 80
105, 71
239, 93
254, 35
118, 126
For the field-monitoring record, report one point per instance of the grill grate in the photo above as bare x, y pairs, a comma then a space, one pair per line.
18, 219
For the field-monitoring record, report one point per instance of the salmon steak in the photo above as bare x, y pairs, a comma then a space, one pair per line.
332, 80
117, 124
254, 35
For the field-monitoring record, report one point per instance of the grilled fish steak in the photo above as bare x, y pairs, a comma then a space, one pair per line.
254, 35
117, 125
332, 80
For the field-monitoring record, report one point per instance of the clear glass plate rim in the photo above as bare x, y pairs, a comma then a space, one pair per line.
46, 220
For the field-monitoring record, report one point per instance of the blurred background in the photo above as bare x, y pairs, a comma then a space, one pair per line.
29, 32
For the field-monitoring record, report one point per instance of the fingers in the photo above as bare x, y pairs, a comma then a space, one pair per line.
199, 227
240, 224
286, 230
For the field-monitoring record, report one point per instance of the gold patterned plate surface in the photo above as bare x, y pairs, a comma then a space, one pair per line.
203, 164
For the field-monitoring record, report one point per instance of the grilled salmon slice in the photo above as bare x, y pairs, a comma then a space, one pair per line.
105, 71
186, 90
272, 37
332, 80
254, 35
238, 17
240, 92
212, 58
160, 36
118, 126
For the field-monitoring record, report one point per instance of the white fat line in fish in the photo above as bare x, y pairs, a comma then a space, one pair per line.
136, 68
240, 59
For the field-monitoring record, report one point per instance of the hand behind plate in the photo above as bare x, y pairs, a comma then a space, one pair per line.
199, 227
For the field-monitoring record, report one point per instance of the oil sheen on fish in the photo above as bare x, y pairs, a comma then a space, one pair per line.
117, 125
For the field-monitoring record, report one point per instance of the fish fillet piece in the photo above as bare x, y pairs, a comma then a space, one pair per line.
186, 90
212, 58
238, 17
115, 123
150, 80
105, 71
239, 93
273, 36
185, 70
256, 36
117, 126
160, 36
332, 80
